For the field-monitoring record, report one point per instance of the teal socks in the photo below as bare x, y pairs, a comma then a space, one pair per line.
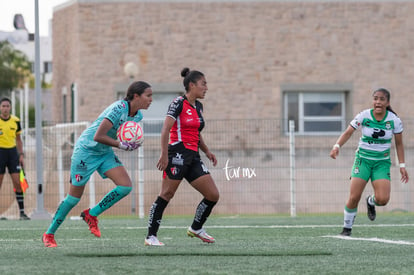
64, 208
69, 202
110, 199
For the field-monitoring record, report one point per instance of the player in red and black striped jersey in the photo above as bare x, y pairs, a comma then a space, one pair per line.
181, 140
188, 124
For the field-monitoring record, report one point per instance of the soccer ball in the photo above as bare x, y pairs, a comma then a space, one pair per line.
130, 131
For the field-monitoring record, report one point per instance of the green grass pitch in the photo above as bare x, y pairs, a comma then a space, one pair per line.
244, 245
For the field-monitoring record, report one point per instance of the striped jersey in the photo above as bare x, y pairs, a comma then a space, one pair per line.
375, 142
188, 124
9, 129
117, 113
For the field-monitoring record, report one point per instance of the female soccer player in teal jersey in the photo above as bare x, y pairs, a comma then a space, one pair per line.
372, 159
93, 152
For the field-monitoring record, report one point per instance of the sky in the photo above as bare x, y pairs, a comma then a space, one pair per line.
8, 8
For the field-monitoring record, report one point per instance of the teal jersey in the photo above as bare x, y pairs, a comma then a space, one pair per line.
375, 142
117, 113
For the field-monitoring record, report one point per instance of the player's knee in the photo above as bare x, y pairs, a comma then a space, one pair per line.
214, 196
382, 200
353, 201
124, 190
167, 194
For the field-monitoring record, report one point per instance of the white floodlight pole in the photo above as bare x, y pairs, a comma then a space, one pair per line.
13, 102
131, 70
26, 115
40, 212
292, 168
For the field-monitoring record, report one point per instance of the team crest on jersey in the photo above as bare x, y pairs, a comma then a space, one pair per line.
174, 170
356, 170
78, 177
178, 159
388, 125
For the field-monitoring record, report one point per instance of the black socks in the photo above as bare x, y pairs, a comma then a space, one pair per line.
202, 213
155, 216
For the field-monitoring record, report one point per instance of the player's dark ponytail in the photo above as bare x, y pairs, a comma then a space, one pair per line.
138, 88
388, 96
190, 76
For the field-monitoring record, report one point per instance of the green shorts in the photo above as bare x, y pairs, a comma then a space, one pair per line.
84, 164
367, 168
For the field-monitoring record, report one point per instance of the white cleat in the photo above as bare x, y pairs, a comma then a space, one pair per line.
153, 241
201, 234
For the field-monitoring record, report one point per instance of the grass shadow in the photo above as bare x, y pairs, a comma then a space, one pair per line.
209, 254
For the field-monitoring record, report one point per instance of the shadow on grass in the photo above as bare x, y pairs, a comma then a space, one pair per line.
221, 254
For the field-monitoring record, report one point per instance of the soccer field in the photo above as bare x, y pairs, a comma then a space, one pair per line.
244, 245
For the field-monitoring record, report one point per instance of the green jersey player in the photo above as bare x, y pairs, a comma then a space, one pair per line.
372, 158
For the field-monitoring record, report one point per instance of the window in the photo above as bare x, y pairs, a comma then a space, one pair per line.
315, 109
47, 67
154, 116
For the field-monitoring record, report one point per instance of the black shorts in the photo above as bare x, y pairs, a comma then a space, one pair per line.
184, 163
9, 158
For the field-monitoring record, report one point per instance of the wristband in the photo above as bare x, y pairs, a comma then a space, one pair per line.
402, 165
337, 146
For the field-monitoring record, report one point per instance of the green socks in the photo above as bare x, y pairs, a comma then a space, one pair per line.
110, 199
65, 206
69, 202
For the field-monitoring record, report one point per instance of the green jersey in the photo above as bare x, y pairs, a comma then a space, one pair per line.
375, 142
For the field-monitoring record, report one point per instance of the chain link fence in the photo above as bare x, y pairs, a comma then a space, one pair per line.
257, 172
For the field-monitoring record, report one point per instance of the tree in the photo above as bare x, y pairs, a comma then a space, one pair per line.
14, 68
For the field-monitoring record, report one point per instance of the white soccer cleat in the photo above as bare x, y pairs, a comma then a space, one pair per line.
201, 234
153, 241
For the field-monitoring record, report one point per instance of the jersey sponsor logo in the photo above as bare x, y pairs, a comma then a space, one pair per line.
178, 159
81, 166
177, 99
116, 111
109, 198
377, 133
189, 112
173, 108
